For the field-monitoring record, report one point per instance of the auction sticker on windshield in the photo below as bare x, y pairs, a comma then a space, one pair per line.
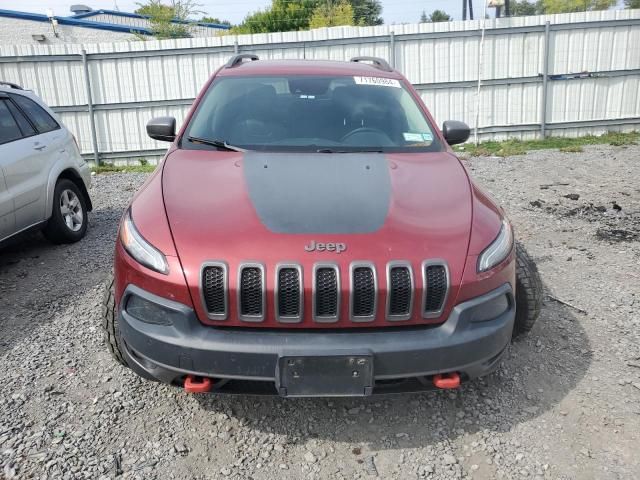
379, 81
418, 137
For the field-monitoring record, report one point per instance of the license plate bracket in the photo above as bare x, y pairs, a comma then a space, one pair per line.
334, 375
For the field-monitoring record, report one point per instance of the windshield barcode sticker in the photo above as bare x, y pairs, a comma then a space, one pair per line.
418, 137
379, 81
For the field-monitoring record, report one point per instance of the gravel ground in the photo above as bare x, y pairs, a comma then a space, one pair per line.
564, 404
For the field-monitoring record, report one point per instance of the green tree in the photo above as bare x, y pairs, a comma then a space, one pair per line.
153, 7
423, 17
287, 15
215, 20
524, 8
367, 12
332, 15
632, 3
169, 20
282, 16
439, 16
568, 6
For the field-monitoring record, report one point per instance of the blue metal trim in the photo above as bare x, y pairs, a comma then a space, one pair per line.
36, 17
104, 26
219, 26
146, 17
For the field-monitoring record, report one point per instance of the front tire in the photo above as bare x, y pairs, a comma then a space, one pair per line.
68, 222
110, 322
528, 292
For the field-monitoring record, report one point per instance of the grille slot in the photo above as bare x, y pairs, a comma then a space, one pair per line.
289, 294
251, 293
214, 290
400, 294
326, 295
436, 286
363, 292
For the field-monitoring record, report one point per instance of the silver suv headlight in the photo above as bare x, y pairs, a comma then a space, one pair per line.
141, 250
498, 250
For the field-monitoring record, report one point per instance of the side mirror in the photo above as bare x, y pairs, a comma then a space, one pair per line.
455, 132
162, 128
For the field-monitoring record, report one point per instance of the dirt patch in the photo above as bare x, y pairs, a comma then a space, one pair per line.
617, 235
615, 223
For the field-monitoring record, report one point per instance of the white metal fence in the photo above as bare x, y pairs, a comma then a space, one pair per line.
567, 74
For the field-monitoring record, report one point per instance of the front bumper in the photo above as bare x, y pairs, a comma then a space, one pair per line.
85, 173
471, 342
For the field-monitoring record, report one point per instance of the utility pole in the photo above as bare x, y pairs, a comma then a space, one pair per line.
464, 9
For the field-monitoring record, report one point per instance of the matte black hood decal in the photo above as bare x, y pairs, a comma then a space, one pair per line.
320, 192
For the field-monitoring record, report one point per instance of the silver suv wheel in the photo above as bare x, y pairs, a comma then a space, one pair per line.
71, 210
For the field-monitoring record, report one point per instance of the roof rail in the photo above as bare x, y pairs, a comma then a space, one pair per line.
377, 62
12, 85
237, 59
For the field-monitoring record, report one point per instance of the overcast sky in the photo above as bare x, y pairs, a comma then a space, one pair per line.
394, 11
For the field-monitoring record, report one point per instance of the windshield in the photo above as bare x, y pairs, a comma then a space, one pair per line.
310, 113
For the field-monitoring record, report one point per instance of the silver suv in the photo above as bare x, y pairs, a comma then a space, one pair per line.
43, 178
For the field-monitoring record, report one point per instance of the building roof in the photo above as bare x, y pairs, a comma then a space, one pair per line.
80, 20
118, 13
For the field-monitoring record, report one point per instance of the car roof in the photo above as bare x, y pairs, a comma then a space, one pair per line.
17, 90
8, 87
306, 67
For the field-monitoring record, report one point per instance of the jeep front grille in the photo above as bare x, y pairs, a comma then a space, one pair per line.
401, 289
326, 298
289, 294
214, 290
363, 292
436, 287
251, 295
404, 297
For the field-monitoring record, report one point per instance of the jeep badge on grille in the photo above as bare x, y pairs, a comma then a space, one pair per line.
325, 247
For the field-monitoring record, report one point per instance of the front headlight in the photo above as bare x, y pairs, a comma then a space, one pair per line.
498, 250
141, 250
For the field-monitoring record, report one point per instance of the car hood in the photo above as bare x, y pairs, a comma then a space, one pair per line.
266, 207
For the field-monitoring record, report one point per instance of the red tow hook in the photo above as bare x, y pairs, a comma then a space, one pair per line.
193, 384
447, 380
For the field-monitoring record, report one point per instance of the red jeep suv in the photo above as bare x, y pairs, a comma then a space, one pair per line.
309, 233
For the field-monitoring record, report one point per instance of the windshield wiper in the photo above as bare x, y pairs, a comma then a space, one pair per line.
216, 143
363, 150
331, 150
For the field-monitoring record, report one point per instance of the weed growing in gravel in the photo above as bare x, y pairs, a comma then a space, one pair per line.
572, 149
110, 168
514, 146
619, 139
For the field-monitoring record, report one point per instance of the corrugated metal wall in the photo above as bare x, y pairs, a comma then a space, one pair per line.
591, 67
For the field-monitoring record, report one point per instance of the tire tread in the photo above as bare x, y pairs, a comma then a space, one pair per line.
528, 291
110, 321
